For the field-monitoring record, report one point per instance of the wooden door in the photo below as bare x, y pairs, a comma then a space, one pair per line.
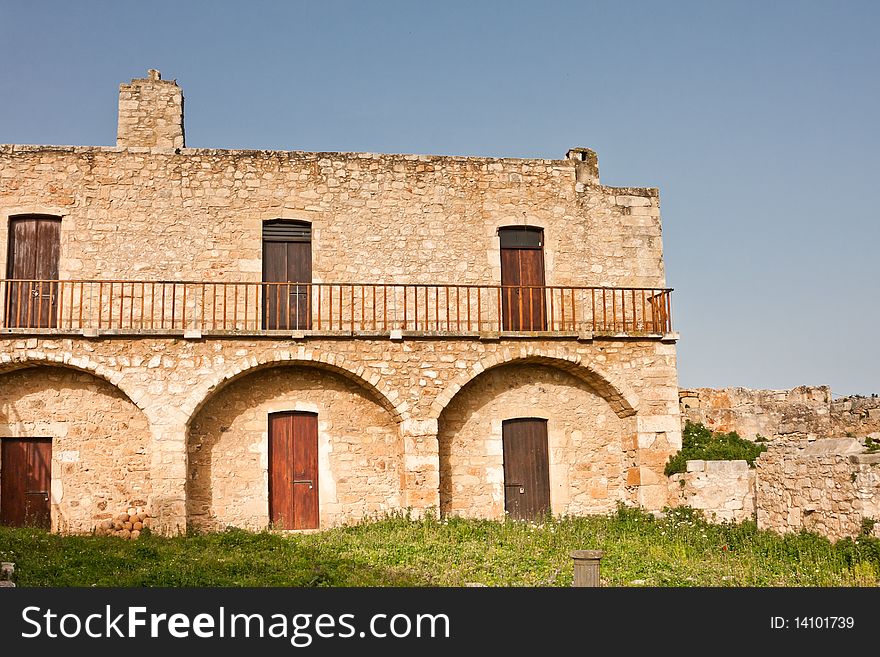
25, 482
293, 470
523, 306
34, 247
287, 259
526, 468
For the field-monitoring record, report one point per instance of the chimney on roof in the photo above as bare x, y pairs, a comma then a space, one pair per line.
586, 165
150, 113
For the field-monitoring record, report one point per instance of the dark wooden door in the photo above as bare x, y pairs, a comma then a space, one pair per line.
287, 259
293, 470
523, 306
34, 247
25, 482
526, 468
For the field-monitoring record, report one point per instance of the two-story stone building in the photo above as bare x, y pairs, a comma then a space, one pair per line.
254, 338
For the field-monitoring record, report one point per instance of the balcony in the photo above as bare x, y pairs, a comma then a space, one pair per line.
92, 307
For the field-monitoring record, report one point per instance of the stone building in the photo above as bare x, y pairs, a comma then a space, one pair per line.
297, 339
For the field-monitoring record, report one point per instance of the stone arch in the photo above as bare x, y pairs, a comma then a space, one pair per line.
360, 459
101, 441
618, 395
374, 385
586, 459
67, 360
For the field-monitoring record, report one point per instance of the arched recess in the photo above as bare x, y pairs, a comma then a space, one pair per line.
83, 363
101, 445
374, 385
360, 451
618, 395
586, 438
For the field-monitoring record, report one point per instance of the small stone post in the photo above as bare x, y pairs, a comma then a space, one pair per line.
586, 567
6, 570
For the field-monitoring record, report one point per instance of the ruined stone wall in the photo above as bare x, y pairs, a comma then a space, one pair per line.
723, 490
101, 443
800, 414
414, 380
827, 487
588, 464
156, 215
856, 416
360, 455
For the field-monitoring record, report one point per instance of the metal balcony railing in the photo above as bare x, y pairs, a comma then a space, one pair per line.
255, 308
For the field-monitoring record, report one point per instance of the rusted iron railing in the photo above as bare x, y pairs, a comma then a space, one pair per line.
255, 307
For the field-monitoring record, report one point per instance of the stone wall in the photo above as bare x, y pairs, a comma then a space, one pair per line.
628, 388
802, 413
101, 443
198, 215
856, 415
588, 464
827, 487
723, 490
360, 455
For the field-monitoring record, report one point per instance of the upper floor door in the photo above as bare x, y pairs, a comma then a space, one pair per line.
287, 259
523, 296
32, 263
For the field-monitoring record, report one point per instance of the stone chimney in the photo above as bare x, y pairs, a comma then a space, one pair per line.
586, 165
150, 113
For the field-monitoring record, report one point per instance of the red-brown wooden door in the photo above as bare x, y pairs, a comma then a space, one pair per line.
293, 470
34, 247
526, 468
287, 259
523, 305
25, 482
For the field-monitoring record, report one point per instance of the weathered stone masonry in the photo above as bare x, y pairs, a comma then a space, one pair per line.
405, 421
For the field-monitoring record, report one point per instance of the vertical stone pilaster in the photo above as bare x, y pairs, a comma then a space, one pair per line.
421, 466
167, 503
658, 437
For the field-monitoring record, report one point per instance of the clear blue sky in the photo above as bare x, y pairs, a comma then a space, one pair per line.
758, 121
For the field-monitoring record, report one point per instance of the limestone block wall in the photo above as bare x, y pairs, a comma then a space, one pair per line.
800, 414
588, 464
101, 442
856, 415
154, 214
827, 487
632, 384
360, 455
723, 490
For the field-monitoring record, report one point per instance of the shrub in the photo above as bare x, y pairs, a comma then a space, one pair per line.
699, 442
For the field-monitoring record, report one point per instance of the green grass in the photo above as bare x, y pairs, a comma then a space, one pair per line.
678, 550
